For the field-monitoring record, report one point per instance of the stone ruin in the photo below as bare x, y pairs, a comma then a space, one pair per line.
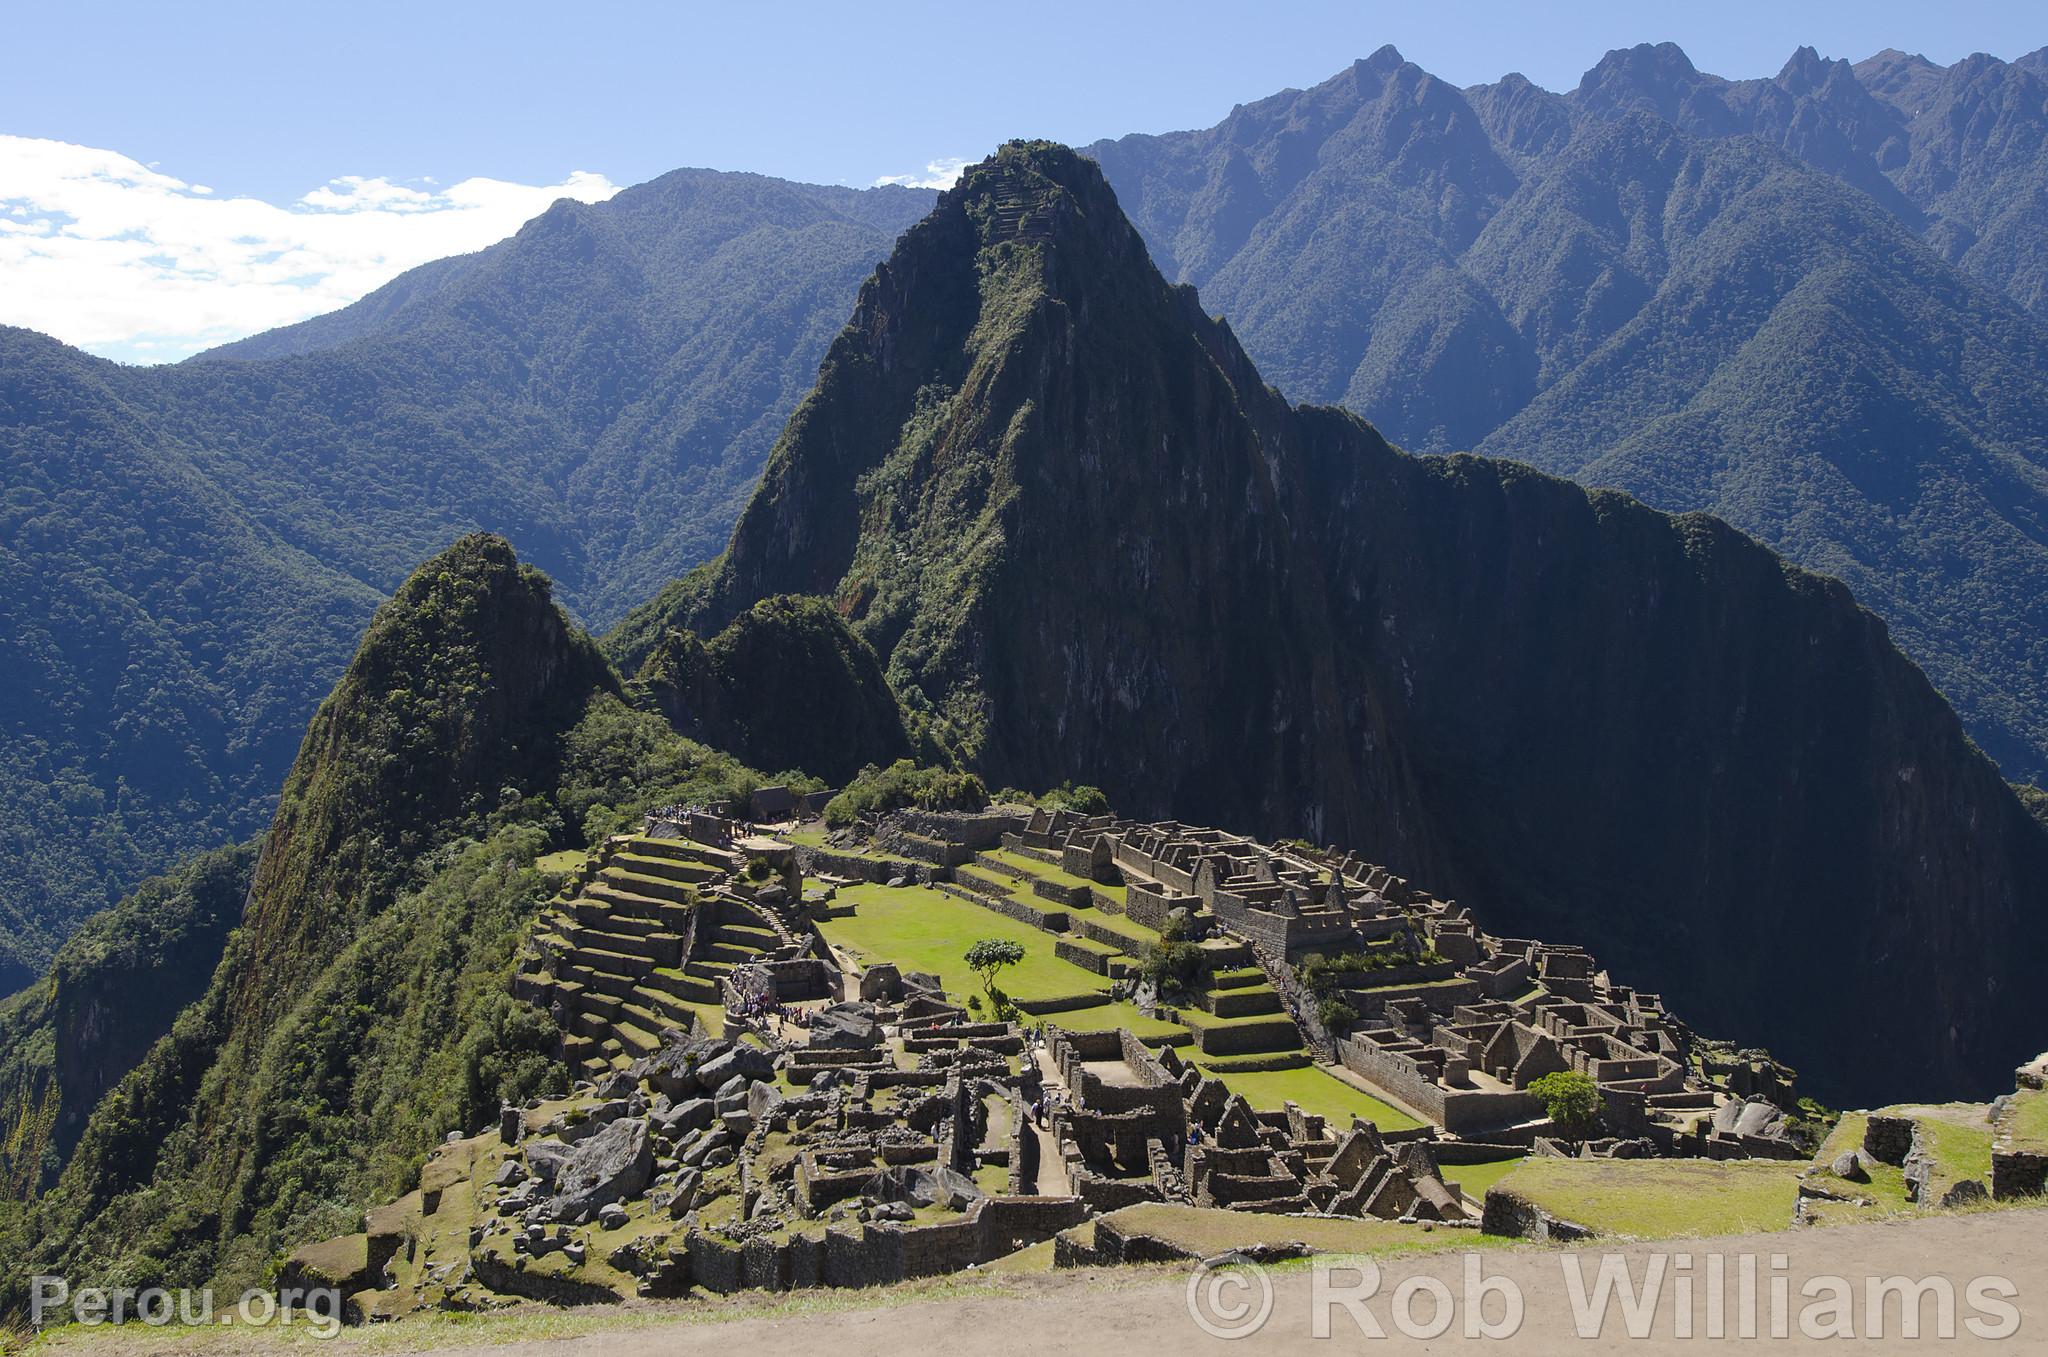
1144, 1126
856, 1127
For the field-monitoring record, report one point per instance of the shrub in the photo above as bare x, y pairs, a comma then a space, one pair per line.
1336, 1015
1080, 800
1173, 966
904, 783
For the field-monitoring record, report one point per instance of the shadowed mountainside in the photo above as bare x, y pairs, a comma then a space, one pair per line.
1090, 543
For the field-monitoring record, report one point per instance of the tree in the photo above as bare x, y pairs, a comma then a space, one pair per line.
1571, 1099
988, 957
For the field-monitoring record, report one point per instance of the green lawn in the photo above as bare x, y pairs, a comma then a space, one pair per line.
1476, 1178
566, 861
1120, 924
2028, 1120
1315, 1090
1961, 1150
924, 930
1661, 1198
1107, 1016
1033, 867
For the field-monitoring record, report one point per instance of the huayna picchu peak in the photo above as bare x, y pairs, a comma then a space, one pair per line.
1088, 541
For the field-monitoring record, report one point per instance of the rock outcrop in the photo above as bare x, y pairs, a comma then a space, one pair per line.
1090, 543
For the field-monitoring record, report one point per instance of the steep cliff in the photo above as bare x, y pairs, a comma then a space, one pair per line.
1089, 542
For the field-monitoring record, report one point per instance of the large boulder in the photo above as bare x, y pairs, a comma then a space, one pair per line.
764, 1100
544, 1158
748, 1062
683, 1118
612, 1165
846, 1027
920, 1186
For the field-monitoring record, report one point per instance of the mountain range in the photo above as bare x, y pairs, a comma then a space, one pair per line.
189, 553
1806, 305
1803, 304
1040, 513
1085, 538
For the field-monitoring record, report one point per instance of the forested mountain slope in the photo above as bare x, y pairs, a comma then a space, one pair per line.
1752, 298
1089, 542
188, 553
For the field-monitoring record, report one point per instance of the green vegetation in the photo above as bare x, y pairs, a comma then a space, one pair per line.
1082, 800
904, 783
2028, 1120
1474, 1179
1571, 1100
1174, 966
1437, 285
1660, 1198
1321, 973
1316, 1090
787, 684
113, 990
190, 552
364, 1008
924, 930
963, 487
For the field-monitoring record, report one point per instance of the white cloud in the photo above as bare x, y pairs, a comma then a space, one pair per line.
938, 173
118, 258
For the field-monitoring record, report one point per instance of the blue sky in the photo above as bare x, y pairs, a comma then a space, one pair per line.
269, 99
271, 103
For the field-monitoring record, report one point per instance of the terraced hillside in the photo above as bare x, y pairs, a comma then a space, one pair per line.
642, 941
1080, 949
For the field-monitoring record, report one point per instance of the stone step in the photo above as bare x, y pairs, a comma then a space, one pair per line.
1239, 978
1241, 1036
1243, 1003
601, 982
684, 850
668, 1008
610, 962
684, 985
619, 900
596, 914
639, 1033
746, 935
648, 887
985, 882
991, 865
668, 869
733, 953
661, 949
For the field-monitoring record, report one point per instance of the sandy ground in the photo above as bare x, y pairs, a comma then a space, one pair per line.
1079, 1314
1132, 1312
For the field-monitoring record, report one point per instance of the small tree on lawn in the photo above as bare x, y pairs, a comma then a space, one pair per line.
988, 957
1571, 1099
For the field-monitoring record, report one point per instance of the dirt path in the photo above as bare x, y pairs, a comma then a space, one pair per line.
1052, 1165
1095, 1313
1138, 1311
